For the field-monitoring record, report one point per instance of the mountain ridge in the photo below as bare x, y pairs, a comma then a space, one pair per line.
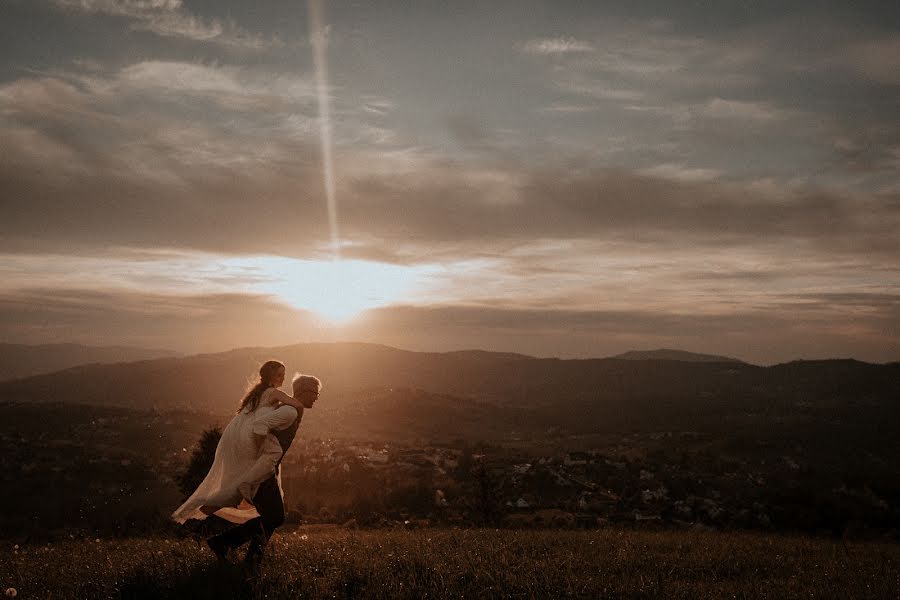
461, 389
670, 354
25, 360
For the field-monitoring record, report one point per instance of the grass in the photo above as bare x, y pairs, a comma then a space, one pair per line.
440, 563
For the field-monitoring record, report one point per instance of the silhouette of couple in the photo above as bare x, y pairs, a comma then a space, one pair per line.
244, 483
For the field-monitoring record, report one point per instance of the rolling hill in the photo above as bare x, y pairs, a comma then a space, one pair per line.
370, 387
23, 360
667, 354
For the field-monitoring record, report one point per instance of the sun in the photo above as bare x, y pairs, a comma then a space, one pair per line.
337, 290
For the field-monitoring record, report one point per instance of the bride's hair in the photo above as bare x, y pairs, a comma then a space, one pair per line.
266, 373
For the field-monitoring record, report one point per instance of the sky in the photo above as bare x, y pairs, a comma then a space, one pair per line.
572, 179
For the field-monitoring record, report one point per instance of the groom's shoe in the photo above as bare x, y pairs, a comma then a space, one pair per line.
253, 561
252, 566
254, 556
219, 548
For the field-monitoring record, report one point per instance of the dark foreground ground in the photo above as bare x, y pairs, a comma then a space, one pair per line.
431, 563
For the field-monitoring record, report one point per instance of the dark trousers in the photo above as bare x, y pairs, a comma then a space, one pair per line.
257, 531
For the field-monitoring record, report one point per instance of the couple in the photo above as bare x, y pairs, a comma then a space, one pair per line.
244, 483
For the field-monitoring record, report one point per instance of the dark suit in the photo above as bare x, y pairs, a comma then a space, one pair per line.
268, 502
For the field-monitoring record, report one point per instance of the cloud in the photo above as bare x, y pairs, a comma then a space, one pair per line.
53, 123
602, 91
468, 129
212, 207
181, 77
377, 105
680, 172
87, 173
132, 123
617, 205
567, 109
877, 60
559, 45
868, 150
233, 88
168, 18
756, 100
851, 299
42, 96
646, 52
372, 135
177, 182
680, 114
720, 108
118, 174
193, 323
121, 7
664, 62
190, 27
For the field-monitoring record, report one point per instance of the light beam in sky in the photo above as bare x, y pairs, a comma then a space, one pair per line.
318, 36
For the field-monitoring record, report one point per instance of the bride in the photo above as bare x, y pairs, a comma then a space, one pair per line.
247, 452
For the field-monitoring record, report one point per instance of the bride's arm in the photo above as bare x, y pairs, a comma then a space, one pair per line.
276, 420
285, 399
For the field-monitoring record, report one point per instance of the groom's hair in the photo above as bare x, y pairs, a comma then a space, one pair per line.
302, 383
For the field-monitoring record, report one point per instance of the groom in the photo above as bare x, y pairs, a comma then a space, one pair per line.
269, 498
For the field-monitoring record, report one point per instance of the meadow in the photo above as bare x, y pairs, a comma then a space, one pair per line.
463, 563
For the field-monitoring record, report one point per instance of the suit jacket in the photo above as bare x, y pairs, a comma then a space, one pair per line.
286, 436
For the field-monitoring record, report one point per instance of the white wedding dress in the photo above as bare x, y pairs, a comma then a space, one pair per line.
236, 453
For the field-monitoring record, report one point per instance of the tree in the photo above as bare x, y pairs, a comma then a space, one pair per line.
464, 466
202, 458
487, 495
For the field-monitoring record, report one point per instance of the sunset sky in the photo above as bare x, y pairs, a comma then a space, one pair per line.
572, 179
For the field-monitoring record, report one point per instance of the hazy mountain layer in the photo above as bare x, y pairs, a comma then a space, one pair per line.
22, 360
369, 388
667, 354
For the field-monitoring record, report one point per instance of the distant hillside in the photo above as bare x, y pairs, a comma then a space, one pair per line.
23, 360
482, 393
216, 382
666, 354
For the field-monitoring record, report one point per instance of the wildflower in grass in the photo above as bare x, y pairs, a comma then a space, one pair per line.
304, 537
11, 592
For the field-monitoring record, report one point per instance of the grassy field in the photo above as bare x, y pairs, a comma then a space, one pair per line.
434, 563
